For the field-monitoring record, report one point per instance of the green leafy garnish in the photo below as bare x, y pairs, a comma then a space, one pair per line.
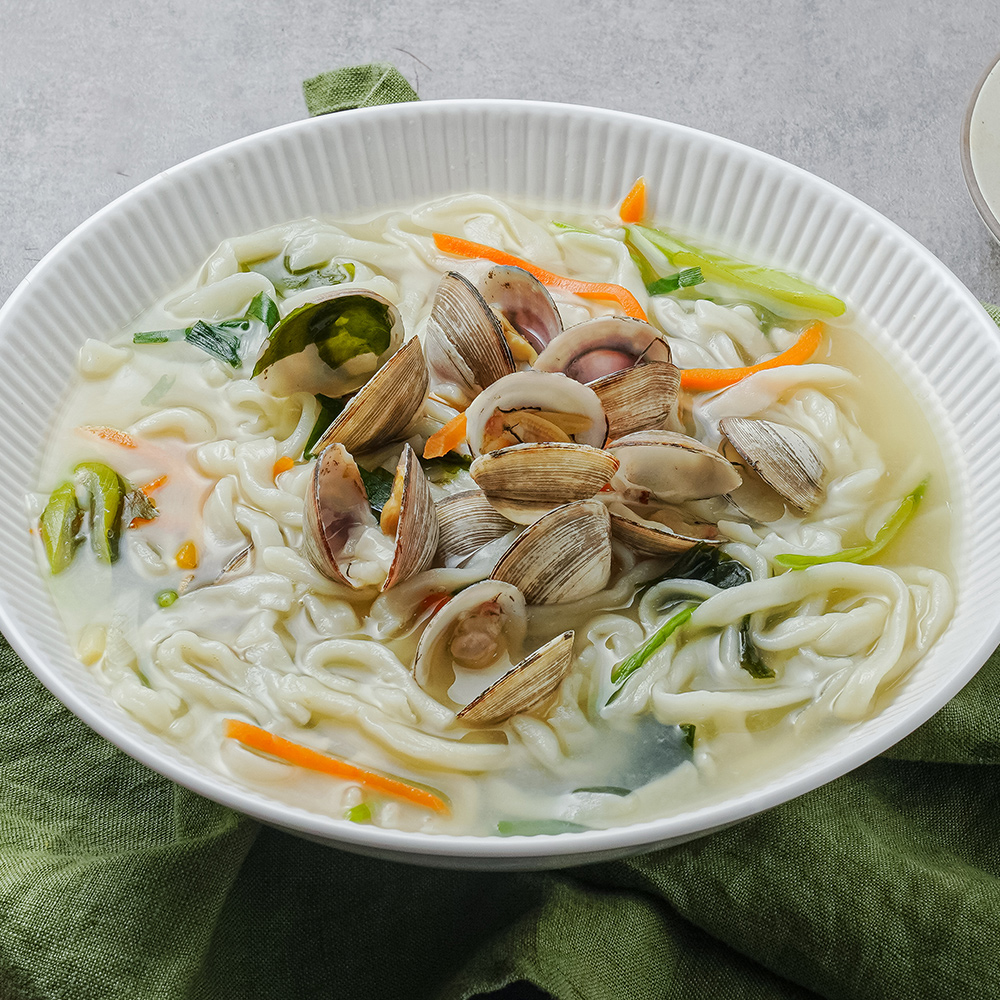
263, 308
444, 469
534, 827
59, 527
604, 790
682, 279
893, 525
329, 410
220, 339
689, 733
378, 485
157, 336
162, 387
361, 813
287, 279
772, 284
106, 493
750, 658
341, 328
625, 668
707, 562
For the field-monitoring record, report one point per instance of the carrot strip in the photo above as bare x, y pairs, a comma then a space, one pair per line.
707, 379
282, 465
153, 486
587, 289
139, 522
633, 207
294, 753
447, 439
111, 434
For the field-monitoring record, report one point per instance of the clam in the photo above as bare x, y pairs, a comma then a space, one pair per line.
524, 302
602, 346
533, 406
524, 481
480, 631
639, 398
467, 521
659, 530
386, 406
564, 556
465, 342
341, 536
525, 687
315, 347
781, 456
670, 467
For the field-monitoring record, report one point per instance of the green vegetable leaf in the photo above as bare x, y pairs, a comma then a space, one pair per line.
106, 496
263, 308
535, 827
860, 553
329, 410
750, 658
769, 282
707, 562
689, 732
340, 328
59, 527
604, 790
286, 279
157, 336
444, 469
378, 486
682, 279
361, 813
218, 340
625, 668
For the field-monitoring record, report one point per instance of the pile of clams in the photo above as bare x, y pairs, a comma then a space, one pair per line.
577, 444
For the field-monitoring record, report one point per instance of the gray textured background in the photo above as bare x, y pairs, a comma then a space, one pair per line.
95, 98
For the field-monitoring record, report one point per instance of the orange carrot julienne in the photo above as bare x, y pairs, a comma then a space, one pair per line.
282, 465
447, 439
587, 289
633, 207
294, 753
707, 379
152, 487
111, 434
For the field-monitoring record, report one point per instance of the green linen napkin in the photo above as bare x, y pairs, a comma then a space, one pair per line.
117, 885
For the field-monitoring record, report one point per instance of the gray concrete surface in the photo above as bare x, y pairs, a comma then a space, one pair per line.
96, 97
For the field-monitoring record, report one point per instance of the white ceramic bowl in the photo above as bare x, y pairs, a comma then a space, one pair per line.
146, 242
981, 147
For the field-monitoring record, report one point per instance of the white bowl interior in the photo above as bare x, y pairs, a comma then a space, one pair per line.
343, 165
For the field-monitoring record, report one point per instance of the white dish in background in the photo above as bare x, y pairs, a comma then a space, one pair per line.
981, 148
148, 241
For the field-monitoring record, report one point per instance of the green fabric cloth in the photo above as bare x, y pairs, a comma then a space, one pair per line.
117, 885
356, 87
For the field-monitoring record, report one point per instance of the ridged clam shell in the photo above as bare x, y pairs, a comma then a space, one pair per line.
782, 456
602, 337
464, 340
638, 398
533, 390
417, 531
467, 522
536, 677
651, 538
671, 467
386, 405
563, 556
525, 303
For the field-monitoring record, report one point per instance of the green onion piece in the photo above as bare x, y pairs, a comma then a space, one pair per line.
107, 497
361, 813
621, 671
682, 279
778, 286
689, 733
157, 336
166, 597
287, 280
570, 228
216, 339
263, 308
162, 387
534, 827
750, 658
329, 410
893, 525
378, 486
444, 469
604, 790
59, 527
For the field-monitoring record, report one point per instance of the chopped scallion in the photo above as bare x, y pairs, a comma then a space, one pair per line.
624, 669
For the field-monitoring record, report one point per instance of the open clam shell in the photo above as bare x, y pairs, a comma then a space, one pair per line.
602, 346
524, 481
464, 340
639, 398
467, 521
385, 407
417, 531
659, 530
525, 687
524, 302
532, 406
671, 467
782, 456
564, 556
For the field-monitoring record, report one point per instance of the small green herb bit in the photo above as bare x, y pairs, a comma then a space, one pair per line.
378, 486
329, 410
263, 308
59, 527
537, 827
166, 597
107, 498
860, 553
750, 658
221, 339
672, 282
361, 813
157, 336
623, 670
287, 280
